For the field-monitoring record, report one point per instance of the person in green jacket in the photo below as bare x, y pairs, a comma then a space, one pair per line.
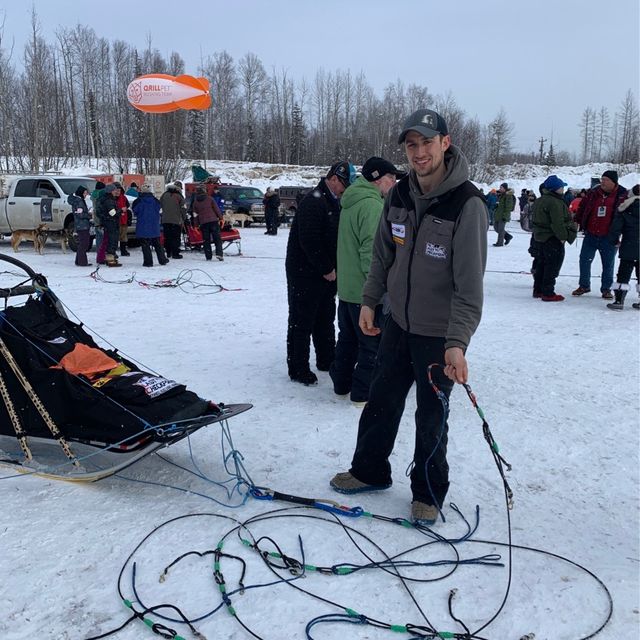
502, 215
552, 227
362, 205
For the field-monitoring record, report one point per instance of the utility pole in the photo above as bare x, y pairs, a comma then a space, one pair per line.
541, 152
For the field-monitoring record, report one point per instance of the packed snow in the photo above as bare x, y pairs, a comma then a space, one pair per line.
558, 383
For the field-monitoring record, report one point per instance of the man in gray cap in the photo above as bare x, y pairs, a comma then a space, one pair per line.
429, 255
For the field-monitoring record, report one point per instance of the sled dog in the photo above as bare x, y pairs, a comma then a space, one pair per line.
38, 236
63, 237
237, 218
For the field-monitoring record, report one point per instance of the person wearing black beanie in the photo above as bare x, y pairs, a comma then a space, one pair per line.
82, 224
595, 215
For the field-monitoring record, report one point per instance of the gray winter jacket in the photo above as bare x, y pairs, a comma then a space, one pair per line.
172, 203
430, 254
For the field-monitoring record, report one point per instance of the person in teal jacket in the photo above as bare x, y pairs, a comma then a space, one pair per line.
362, 205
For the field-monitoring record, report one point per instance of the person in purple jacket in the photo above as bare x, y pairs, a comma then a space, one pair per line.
208, 216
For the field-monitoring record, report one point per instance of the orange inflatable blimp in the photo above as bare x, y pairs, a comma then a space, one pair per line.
161, 93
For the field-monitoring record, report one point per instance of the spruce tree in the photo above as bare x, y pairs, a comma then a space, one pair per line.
550, 160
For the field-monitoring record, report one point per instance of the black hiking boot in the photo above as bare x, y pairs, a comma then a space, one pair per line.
308, 378
618, 305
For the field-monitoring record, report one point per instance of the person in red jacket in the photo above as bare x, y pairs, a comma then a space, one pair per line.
595, 214
123, 211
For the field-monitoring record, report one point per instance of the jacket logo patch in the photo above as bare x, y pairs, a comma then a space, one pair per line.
436, 251
398, 233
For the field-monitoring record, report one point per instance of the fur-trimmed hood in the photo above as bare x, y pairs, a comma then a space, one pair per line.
628, 202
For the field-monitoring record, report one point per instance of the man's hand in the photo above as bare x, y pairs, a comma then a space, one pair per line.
455, 365
365, 322
331, 276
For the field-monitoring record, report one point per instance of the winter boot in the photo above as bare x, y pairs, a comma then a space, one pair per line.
347, 483
620, 294
636, 305
424, 514
112, 261
123, 249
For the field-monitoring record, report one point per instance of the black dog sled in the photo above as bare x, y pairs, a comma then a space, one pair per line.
72, 410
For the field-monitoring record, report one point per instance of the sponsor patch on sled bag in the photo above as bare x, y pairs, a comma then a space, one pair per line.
155, 386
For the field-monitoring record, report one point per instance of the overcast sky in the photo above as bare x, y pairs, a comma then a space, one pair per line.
544, 61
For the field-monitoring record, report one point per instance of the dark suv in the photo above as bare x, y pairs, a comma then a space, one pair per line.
289, 199
247, 200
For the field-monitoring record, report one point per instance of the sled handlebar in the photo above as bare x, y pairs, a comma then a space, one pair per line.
18, 263
25, 290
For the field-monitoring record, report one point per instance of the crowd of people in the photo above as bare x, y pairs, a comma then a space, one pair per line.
405, 254
607, 217
159, 222
406, 258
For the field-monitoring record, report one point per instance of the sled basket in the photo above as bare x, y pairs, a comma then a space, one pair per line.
58, 386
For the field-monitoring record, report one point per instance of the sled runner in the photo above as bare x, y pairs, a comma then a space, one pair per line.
72, 410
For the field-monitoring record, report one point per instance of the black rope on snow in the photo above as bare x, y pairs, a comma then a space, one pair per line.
95, 275
184, 281
426, 632
390, 565
508, 493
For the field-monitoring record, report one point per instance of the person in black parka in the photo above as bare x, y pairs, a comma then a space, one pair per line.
271, 203
82, 224
107, 213
311, 275
625, 233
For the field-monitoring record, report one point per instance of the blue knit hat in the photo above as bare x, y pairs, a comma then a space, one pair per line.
553, 183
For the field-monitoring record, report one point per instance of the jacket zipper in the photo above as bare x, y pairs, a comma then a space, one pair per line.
406, 304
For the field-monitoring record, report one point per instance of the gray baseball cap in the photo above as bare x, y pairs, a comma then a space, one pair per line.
426, 122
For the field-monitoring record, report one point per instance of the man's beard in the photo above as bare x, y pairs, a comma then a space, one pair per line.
430, 170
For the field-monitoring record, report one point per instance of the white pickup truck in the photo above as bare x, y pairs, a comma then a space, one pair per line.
28, 201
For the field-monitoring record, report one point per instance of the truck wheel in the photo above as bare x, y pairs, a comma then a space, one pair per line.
72, 239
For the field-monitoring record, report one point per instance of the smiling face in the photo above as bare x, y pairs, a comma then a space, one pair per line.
426, 157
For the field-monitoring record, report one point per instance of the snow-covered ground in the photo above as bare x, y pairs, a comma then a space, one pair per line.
559, 386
